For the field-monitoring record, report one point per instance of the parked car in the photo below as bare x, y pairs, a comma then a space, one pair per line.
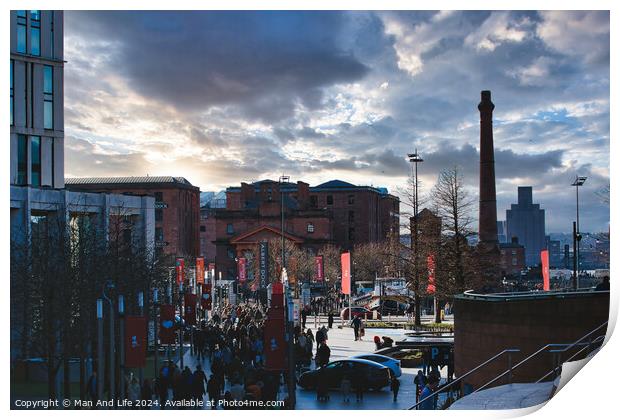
390, 362
376, 375
358, 310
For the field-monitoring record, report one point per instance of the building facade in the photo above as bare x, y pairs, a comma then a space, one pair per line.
511, 258
335, 213
176, 208
37, 116
526, 221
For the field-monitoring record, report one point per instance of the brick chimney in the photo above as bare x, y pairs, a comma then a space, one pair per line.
487, 218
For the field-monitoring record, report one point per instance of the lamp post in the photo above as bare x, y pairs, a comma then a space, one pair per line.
415, 158
121, 344
100, 355
578, 182
155, 327
110, 285
289, 322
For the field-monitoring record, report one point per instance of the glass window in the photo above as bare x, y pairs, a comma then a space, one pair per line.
22, 159
159, 215
12, 95
35, 151
229, 229
351, 199
159, 196
203, 228
310, 228
21, 32
313, 201
330, 200
48, 97
159, 234
51, 14
35, 32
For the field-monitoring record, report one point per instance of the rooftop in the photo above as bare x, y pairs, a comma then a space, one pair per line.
128, 180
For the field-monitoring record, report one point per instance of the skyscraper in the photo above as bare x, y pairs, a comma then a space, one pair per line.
526, 222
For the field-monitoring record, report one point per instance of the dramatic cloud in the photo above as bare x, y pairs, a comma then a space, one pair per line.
225, 97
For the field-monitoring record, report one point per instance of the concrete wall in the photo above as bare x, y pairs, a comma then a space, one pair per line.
484, 327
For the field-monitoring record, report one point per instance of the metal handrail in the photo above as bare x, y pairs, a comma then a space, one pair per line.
450, 384
557, 352
512, 368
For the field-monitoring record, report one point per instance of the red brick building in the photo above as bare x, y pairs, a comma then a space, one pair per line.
335, 212
177, 207
511, 257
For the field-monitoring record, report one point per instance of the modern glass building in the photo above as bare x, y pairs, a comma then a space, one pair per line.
526, 221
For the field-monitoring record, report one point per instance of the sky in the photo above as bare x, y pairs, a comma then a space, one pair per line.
225, 97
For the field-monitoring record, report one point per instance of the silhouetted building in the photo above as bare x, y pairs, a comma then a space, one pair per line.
526, 221
512, 257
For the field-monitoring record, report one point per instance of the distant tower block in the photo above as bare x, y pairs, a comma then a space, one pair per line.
487, 218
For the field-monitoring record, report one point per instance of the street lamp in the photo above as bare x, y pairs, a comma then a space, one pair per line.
110, 285
291, 361
579, 181
415, 158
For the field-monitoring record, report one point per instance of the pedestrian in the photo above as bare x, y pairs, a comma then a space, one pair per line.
213, 389
133, 390
304, 315
395, 386
322, 355
362, 329
330, 320
429, 389
345, 388
320, 337
356, 323
91, 386
146, 393
198, 383
420, 383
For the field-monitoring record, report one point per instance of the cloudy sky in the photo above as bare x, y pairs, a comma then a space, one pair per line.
225, 97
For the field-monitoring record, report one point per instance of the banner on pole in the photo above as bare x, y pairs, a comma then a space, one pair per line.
430, 265
190, 309
206, 298
263, 259
166, 324
544, 257
180, 266
200, 270
318, 264
345, 261
135, 341
241, 263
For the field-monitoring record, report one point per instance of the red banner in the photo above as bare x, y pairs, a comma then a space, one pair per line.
180, 266
206, 298
241, 270
190, 309
430, 265
318, 263
274, 341
166, 324
135, 341
544, 257
345, 260
200, 270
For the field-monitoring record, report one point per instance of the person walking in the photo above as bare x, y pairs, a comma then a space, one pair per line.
356, 323
420, 383
322, 355
330, 320
431, 386
198, 383
395, 386
213, 389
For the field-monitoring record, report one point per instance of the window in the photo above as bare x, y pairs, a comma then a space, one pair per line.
35, 32
159, 234
351, 199
12, 95
330, 200
21, 31
159, 197
514, 252
313, 201
514, 261
351, 234
310, 228
352, 216
48, 97
231, 253
159, 215
229, 229
22, 159
35, 154
203, 228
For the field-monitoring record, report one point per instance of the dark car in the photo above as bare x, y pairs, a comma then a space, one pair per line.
358, 310
375, 376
